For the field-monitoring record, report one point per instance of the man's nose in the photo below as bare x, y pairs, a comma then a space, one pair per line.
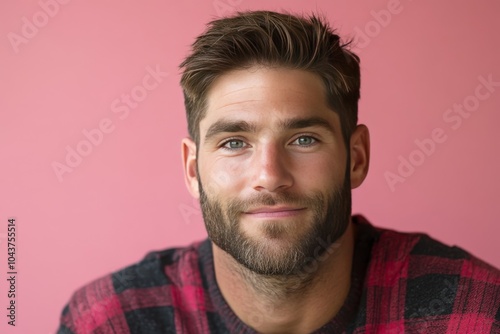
272, 169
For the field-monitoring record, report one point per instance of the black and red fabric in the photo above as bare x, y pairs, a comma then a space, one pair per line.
400, 283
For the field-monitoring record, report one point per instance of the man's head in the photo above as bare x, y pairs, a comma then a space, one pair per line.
274, 149
274, 40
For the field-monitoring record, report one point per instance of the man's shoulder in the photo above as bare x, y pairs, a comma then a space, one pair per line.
414, 254
423, 254
431, 283
120, 298
157, 268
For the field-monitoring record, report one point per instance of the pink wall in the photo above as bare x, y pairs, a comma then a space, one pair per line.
64, 74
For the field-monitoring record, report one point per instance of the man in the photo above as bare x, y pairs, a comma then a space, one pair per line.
273, 153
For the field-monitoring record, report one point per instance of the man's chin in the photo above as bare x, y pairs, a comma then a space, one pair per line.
269, 254
271, 262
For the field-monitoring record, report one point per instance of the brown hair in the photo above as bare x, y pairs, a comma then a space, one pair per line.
272, 39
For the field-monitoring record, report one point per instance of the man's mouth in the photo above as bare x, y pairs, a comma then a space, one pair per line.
274, 211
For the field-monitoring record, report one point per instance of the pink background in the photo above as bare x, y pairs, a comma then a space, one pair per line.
127, 196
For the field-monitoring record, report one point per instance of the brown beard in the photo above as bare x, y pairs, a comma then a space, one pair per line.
330, 218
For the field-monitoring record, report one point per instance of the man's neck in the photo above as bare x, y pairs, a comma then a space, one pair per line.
297, 304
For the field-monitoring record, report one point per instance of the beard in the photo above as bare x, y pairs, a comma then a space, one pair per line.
284, 248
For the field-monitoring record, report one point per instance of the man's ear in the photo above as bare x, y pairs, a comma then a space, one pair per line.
189, 164
360, 155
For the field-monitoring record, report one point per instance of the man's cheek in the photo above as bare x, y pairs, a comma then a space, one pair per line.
226, 174
216, 182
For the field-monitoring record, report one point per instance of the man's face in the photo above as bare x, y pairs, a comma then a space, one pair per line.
271, 166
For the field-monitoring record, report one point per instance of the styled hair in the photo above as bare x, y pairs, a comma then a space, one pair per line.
276, 40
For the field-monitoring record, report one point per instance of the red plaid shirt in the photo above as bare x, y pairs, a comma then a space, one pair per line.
401, 282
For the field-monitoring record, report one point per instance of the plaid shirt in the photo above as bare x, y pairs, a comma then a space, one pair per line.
401, 282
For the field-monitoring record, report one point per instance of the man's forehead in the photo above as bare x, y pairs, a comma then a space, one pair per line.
257, 84
270, 94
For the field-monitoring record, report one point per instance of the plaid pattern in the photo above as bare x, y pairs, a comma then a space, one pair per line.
401, 283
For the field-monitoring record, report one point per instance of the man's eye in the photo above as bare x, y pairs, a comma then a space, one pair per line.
305, 141
233, 144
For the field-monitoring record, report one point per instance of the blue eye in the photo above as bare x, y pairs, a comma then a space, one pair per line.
305, 141
233, 144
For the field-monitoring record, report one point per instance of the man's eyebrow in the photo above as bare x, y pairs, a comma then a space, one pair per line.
228, 126
242, 126
300, 122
